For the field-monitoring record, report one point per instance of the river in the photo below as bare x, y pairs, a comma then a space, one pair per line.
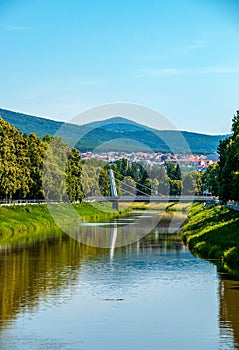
150, 294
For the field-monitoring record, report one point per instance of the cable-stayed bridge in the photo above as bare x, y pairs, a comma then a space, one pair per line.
144, 194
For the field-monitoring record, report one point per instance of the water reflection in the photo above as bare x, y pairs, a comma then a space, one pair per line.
28, 275
113, 238
123, 231
229, 311
117, 233
62, 270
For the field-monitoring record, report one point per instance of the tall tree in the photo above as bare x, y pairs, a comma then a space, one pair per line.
14, 162
164, 186
190, 183
175, 187
128, 187
36, 150
178, 174
229, 164
104, 182
73, 176
210, 179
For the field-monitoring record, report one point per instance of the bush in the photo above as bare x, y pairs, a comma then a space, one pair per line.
215, 252
231, 257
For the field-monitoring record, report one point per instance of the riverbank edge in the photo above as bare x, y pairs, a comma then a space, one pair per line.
23, 220
212, 233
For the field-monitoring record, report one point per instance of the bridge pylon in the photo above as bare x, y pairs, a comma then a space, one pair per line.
113, 190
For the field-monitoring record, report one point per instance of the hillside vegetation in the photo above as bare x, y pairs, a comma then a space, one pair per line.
118, 134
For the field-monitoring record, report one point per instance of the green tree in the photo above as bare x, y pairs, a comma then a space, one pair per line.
22, 159
175, 187
174, 171
104, 183
36, 151
54, 179
229, 164
155, 186
164, 185
235, 185
73, 176
210, 179
128, 186
235, 124
14, 162
147, 186
90, 178
178, 174
171, 171
190, 183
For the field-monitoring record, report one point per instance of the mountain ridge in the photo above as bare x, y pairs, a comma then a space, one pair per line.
109, 134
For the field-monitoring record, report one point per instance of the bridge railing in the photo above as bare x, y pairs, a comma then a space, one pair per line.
10, 202
151, 198
233, 205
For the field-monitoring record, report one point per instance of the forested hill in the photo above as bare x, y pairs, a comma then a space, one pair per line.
30, 124
115, 134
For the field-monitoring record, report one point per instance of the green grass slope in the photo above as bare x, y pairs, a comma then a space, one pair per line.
213, 233
19, 219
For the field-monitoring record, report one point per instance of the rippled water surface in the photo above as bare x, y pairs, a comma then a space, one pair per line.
152, 294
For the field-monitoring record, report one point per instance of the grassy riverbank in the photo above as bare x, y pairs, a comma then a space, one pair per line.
172, 206
213, 233
20, 219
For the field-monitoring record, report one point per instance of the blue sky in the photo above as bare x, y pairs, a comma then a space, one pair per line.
180, 58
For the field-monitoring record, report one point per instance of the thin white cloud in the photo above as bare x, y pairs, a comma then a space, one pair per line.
190, 48
167, 72
219, 69
90, 82
177, 50
150, 58
10, 27
161, 72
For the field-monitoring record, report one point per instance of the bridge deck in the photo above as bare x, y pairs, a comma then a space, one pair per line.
188, 199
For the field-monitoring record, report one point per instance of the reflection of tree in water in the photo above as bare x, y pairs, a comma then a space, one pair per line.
136, 228
162, 240
229, 309
30, 274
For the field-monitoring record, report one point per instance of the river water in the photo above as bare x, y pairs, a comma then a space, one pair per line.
148, 295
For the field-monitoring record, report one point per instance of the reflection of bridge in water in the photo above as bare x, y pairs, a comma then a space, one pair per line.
127, 230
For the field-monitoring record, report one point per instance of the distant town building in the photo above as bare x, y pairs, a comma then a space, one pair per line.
197, 162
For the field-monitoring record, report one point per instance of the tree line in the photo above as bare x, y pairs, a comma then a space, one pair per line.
21, 166
23, 158
228, 164
222, 178
139, 179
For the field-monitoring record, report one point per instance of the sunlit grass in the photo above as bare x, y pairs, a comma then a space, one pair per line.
213, 233
20, 219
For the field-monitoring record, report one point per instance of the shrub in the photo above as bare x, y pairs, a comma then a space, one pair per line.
231, 257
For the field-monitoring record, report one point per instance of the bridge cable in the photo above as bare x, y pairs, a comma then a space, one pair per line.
137, 184
137, 190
